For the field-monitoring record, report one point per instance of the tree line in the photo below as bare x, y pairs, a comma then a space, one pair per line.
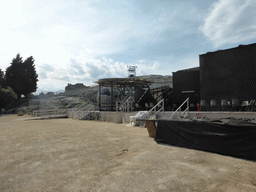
20, 78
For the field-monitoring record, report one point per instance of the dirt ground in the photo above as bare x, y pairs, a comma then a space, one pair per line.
72, 155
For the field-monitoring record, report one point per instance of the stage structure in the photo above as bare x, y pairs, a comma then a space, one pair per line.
227, 77
186, 83
130, 89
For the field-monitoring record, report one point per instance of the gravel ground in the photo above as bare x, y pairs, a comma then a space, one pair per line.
72, 155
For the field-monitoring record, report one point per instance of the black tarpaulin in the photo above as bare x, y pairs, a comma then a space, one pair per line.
234, 138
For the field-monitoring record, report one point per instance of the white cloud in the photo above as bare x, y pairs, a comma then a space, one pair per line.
231, 21
55, 31
87, 71
46, 67
71, 41
42, 75
90, 70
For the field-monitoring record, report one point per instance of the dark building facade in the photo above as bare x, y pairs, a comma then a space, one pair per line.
228, 75
187, 80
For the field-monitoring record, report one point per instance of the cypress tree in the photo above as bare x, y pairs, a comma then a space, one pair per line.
1, 78
21, 76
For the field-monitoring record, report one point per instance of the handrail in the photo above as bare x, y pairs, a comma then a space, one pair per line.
128, 98
164, 93
184, 111
181, 106
168, 94
127, 101
154, 108
162, 108
125, 105
37, 113
142, 95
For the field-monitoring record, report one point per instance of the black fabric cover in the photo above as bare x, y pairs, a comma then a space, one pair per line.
234, 138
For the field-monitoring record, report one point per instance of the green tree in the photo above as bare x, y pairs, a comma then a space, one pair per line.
21, 76
1, 78
6, 96
30, 76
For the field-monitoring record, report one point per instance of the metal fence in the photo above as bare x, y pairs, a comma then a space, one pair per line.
38, 113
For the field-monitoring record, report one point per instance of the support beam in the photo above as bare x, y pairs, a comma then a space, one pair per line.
123, 90
100, 97
112, 99
120, 90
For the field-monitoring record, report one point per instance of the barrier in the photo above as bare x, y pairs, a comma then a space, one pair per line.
38, 113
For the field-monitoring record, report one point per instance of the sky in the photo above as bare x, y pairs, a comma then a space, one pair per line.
81, 41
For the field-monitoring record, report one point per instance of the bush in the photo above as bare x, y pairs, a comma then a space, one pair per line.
6, 96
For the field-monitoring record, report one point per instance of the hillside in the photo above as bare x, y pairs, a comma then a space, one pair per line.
74, 99
158, 79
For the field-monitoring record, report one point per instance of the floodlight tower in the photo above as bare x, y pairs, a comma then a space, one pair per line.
131, 71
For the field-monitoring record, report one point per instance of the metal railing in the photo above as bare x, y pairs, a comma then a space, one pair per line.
38, 113
179, 108
154, 109
142, 95
126, 105
163, 93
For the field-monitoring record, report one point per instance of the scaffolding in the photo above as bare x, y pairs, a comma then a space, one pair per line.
126, 86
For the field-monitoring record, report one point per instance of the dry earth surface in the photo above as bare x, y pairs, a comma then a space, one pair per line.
72, 155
